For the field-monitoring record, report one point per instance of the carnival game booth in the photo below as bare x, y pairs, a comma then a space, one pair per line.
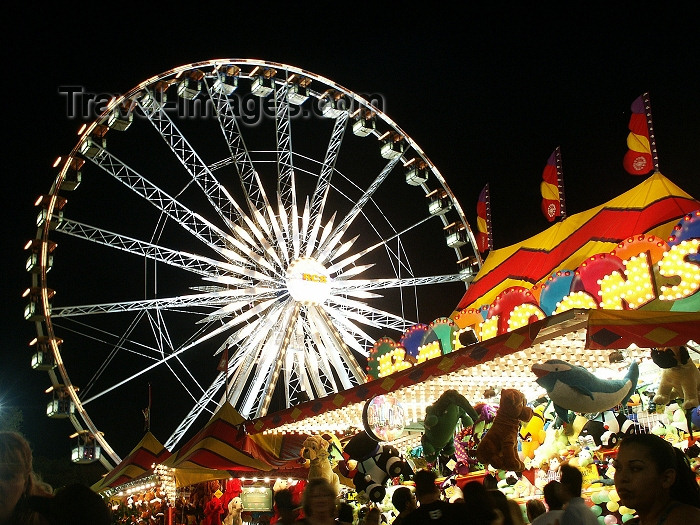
597, 291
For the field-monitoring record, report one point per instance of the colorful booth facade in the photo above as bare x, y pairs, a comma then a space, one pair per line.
597, 290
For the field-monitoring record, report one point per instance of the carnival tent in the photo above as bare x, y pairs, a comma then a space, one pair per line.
138, 464
223, 447
652, 208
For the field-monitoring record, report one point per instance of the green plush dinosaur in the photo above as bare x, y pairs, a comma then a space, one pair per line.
440, 423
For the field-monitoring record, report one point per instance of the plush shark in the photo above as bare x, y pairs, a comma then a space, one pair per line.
574, 388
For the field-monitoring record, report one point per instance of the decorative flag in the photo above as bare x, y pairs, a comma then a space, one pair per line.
552, 188
641, 157
484, 239
223, 362
223, 367
147, 412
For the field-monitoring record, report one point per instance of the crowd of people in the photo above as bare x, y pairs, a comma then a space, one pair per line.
650, 475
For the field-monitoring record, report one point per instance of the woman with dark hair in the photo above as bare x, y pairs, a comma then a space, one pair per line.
655, 479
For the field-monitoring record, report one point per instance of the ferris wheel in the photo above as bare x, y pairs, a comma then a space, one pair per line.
236, 230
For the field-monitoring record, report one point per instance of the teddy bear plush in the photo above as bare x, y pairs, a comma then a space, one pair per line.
315, 449
499, 446
440, 423
680, 376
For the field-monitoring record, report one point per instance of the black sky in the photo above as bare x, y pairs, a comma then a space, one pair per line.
488, 93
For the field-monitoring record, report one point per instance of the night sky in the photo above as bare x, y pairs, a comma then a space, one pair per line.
487, 93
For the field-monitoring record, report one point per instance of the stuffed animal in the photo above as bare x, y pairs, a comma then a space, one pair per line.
606, 429
532, 434
212, 512
440, 423
315, 449
499, 447
235, 508
371, 465
680, 376
572, 387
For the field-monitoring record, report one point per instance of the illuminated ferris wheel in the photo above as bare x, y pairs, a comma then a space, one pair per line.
235, 230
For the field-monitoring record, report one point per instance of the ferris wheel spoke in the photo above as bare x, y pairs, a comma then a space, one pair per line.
163, 341
241, 363
235, 321
200, 406
327, 229
141, 372
201, 228
315, 357
335, 338
325, 251
347, 309
279, 235
320, 195
294, 233
324, 359
218, 196
304, 223
252, 296
250, 181
259, 395
384, 243
303, 386
346, 320
194, 263
270, 233
378, 284
285, 169
120, 344
253, 332
246, 368
180, 302
321, 357
257, 242
352, 272
293, 374
318, 378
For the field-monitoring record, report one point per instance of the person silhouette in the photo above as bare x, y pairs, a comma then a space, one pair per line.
18, 482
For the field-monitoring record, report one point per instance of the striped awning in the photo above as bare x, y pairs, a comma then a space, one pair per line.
137, 464
223, 447
653, 207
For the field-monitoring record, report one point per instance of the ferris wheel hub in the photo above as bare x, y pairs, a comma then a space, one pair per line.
308, 281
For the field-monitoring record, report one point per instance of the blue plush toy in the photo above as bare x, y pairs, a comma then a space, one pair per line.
574, 388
